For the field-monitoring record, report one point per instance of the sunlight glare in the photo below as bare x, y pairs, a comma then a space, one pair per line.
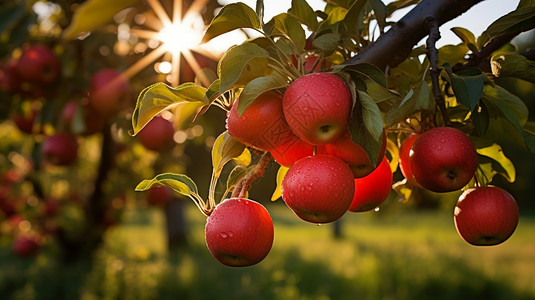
177, 37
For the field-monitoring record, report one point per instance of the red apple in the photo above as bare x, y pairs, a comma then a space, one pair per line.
443, 159
311, 63
353, 154
10, 79
486, 216
39, 64
372, 190
157, 135
27, 245
60, 149
239, 232
317, 107
291, 150
319, 188
26, 122
159, 195
404, 159
262, 125
109, 90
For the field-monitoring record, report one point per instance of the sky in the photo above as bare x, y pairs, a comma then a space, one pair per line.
477, 19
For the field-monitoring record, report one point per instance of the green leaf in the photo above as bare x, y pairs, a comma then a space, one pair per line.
335, 16
365, 71
93, 13
241, 64
213, 91
381, 94
505, 166
353, 17
278, 189
225, 149
304, 13
520, 20
417, 99
452, 54
366, 126
467, 37
328, 41
467, 89
232, 16
513, 65
159, 97
11, 14
514, 104
379, 9
178, 182
395, 5
288, 26
259, 86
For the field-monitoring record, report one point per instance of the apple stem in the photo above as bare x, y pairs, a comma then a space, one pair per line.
432, 55
241, 188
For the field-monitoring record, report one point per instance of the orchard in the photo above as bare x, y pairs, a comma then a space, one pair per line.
109, 110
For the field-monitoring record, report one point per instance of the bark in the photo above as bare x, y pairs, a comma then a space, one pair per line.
394, 46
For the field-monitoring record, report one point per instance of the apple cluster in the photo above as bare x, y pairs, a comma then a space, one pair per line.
444, 159
306, 130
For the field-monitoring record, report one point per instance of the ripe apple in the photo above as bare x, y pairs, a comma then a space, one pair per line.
159, 195
404, 159
157, 135
10, 80
486, 216
291, 150
26, 122
109, 90
317, 107
27, 245
60, 149
353, 154
319, 188
39, 64
239, 232
373, 189
443, 159
262, 125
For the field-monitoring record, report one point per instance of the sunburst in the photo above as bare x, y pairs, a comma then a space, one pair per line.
178, 37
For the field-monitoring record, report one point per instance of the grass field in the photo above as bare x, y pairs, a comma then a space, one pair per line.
407, 255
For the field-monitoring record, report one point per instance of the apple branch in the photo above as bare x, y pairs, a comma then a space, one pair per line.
432, 55
241, 188
395, 45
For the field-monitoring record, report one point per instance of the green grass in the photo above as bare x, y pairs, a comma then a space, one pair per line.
410, 255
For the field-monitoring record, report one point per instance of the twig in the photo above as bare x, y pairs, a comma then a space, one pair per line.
432, 55
477, 58
241, 188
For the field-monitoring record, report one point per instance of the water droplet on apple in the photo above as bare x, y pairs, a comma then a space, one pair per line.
230, 234
223, 235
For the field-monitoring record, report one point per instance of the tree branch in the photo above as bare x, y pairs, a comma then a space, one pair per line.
395, 45
432, 55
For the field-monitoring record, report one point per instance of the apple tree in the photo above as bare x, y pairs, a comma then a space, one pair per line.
68, 81
329, 95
